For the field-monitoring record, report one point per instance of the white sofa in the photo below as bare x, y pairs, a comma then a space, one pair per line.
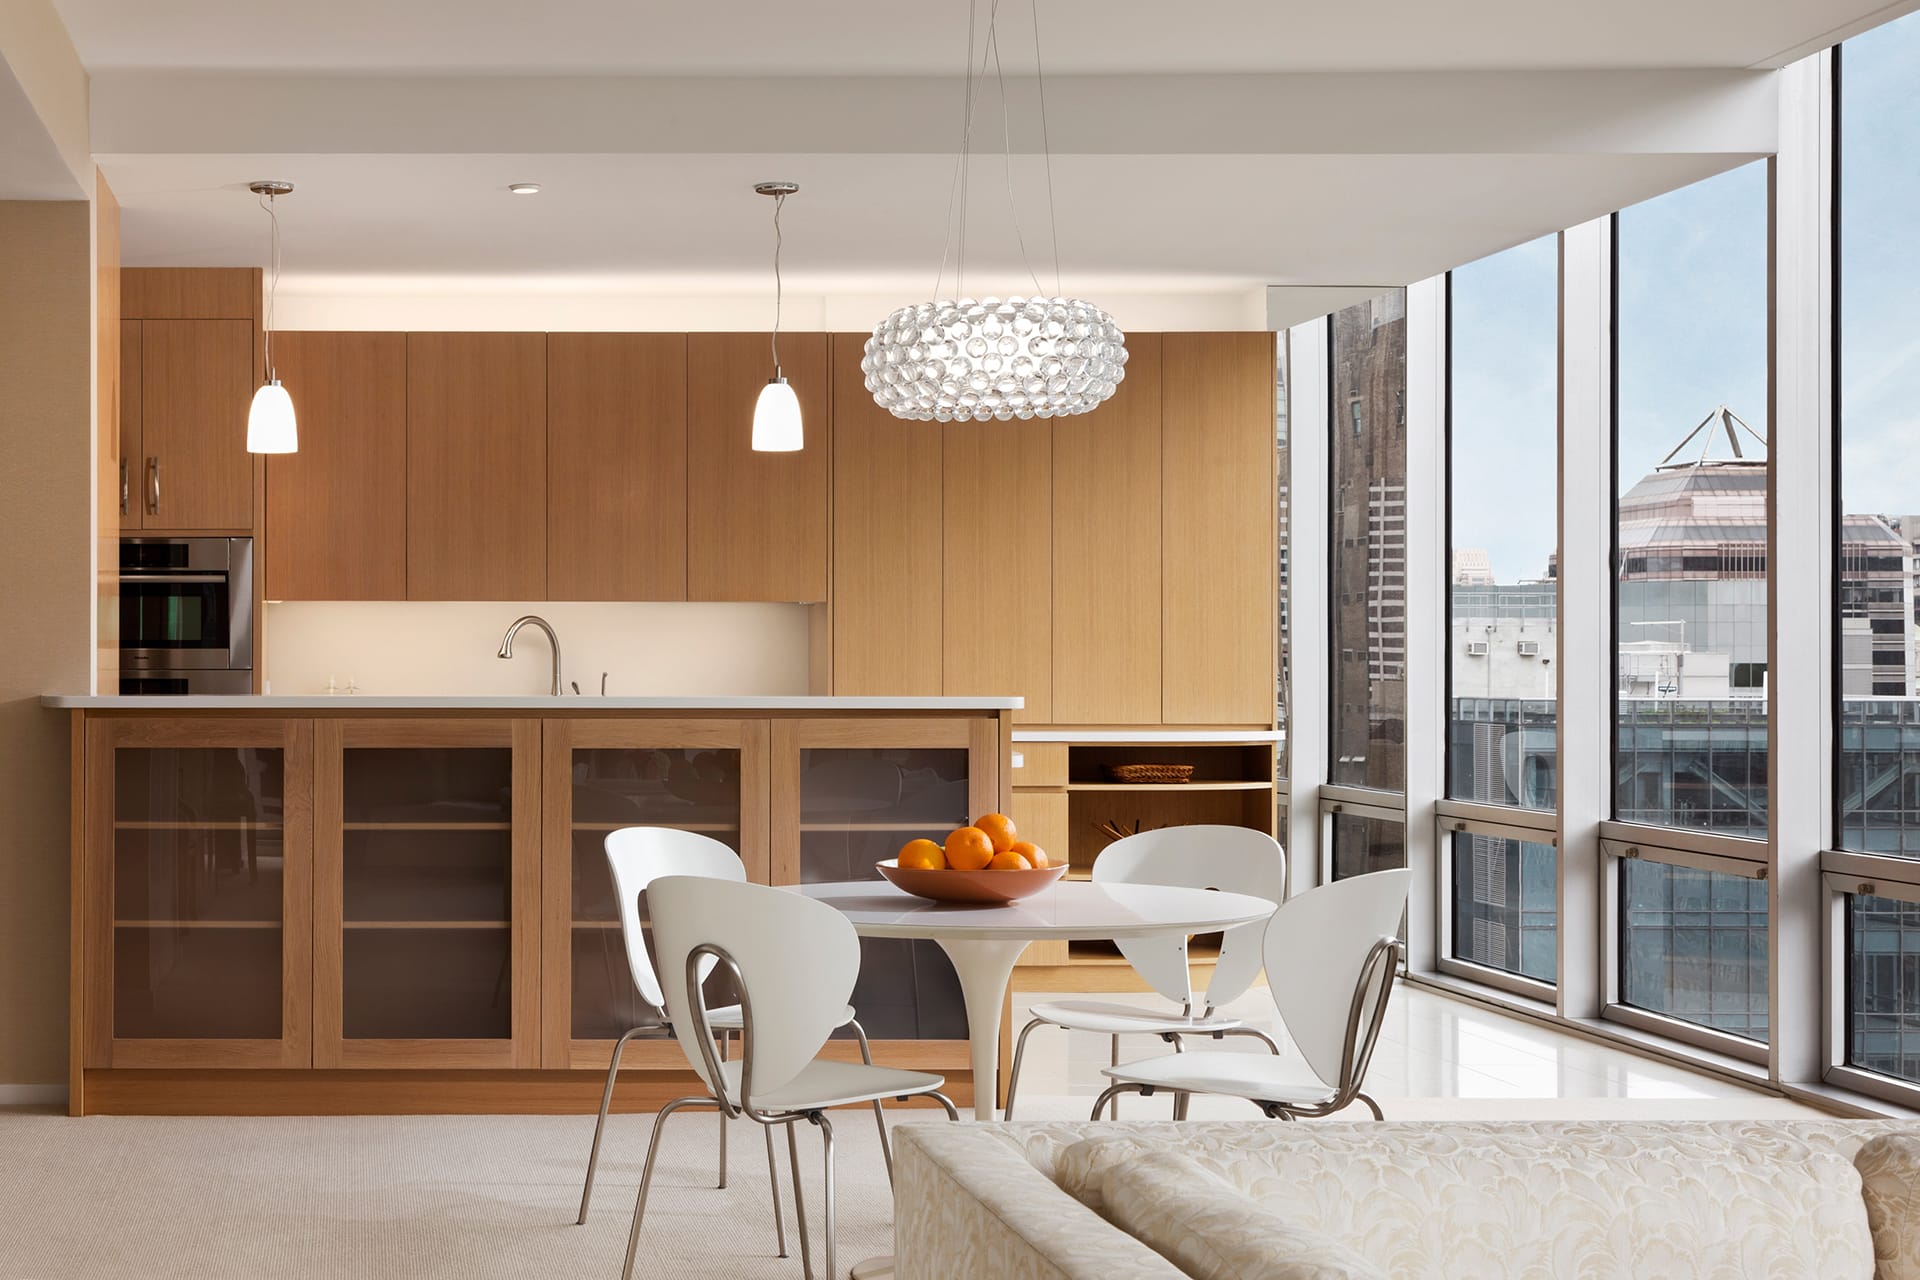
1344, 1201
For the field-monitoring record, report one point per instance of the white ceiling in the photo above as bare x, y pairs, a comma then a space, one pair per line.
921, 37
401, 122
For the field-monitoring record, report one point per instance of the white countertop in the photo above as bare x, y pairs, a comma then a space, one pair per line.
564, 703
1150, 735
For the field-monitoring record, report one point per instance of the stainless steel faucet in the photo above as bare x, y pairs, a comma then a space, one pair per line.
506, 644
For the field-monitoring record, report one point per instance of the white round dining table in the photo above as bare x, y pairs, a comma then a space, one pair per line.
984, 941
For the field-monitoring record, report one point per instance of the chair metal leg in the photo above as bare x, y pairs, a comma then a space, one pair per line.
799, 1203
1019, 1053
1106, 1099
1371, 1106
879, 1112
1273, 1046
773, 1185
724, 1037
1180, 1101
826, 1142
1114, 1061
646, 1176
600, 1125
953, 1112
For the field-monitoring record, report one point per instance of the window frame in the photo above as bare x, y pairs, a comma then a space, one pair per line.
1466, 818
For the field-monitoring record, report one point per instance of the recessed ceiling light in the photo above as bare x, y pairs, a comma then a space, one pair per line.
524, 188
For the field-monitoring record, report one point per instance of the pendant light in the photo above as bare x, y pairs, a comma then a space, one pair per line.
776, 415
995, 358
270, 422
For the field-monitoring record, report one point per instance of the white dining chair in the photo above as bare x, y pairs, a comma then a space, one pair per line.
1331, 956
1231, 859
637, 856
793, 962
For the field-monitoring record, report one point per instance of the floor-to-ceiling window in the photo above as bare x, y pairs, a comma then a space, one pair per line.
1503, 421
1367, 391
1877, 773
1690, 597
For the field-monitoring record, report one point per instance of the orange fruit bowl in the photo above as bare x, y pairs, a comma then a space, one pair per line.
987, 887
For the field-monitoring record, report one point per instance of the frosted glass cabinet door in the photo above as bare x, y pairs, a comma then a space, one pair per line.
864, 788
704, 776
197, 893
426, 890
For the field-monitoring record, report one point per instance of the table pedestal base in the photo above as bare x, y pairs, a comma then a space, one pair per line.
985, 969
880, 1268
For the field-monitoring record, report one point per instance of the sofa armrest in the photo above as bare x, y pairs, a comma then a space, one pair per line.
967, 1204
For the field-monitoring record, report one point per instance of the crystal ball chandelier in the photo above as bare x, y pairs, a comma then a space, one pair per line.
994, 358
979, 359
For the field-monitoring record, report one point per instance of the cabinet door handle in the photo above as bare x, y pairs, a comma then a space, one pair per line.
153, 486
123, 486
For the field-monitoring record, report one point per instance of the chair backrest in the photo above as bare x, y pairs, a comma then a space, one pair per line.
637, 857
797, 962
1231, 859
1317, 948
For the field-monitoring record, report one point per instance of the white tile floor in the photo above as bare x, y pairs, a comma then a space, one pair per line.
1439, 1058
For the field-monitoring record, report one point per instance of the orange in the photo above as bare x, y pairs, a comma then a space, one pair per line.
922, 855
969, 849
999, 829
1032, 852
1008, 860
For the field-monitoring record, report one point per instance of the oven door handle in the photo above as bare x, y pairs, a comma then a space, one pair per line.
134, 575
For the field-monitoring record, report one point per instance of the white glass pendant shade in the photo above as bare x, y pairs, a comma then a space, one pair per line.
776, 419
992, 358
270, 425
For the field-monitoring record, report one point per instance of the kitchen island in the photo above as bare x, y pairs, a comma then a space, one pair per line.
398, 905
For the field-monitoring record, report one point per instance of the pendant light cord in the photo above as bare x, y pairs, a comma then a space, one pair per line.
273, 287
1046, 144
778, 201
1006, 156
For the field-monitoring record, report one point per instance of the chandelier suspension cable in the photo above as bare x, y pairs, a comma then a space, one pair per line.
1046, 143
779, 200
273, 287
1006, 159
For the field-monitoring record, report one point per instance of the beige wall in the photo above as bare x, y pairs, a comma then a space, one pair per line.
46, 641
434, 647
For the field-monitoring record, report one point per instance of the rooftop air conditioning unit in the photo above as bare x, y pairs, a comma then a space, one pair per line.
1476, 648
1529, 648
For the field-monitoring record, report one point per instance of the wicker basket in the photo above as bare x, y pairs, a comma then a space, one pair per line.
1149, 773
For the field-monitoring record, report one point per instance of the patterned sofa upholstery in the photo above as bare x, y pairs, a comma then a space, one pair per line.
1343, 1201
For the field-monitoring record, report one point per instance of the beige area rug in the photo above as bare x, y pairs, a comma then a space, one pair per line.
410, 1196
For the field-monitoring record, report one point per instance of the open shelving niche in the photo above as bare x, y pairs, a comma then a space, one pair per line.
1232, 785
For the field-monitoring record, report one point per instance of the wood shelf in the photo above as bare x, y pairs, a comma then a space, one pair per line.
596, 924
1249, 785
928, 824
427, 924
426, 826
196, 924
676, 826
240, 824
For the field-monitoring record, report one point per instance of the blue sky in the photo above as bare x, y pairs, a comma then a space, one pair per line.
1693, 326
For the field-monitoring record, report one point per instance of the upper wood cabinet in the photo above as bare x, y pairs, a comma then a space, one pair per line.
190, 293
757, 523
888, 616
1216, 520
133, 462
1106, 552
193, 470
476, 466
997, 553
617, 466
337, 509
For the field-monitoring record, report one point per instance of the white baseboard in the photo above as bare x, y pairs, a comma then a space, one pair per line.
21, 1095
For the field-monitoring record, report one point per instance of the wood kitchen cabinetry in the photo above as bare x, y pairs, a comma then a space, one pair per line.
888, 624
757, 523
704, 776
188, 367
336, 526
426, 893
617, 466
406, 912
1106, 552
476, 466
996, 564
1216, 520
194, 894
